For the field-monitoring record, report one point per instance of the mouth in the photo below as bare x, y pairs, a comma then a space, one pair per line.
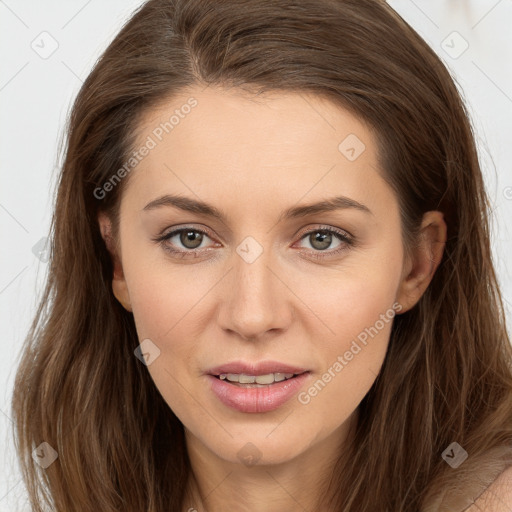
256, 373
256, 381
256, 388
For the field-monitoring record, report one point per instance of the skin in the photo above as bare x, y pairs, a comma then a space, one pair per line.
253, 158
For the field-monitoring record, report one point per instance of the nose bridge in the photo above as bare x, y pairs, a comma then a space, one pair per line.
255, 300
252, 272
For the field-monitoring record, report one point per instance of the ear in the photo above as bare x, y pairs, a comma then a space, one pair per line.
423, 261
119, 287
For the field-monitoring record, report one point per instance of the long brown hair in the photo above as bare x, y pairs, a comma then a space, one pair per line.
447, 376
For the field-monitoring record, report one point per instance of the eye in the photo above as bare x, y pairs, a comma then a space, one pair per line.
321, 239
188, 241
189, 238
183, 242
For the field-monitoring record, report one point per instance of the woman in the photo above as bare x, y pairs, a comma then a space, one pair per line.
271, 284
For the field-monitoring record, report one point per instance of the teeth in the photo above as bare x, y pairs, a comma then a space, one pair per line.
263, 379
268, 378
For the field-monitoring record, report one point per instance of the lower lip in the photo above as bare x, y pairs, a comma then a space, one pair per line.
258, 399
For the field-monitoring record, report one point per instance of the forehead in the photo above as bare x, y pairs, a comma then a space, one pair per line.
278, 144
215, 117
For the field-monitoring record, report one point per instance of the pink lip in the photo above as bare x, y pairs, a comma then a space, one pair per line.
261, 368
256, 399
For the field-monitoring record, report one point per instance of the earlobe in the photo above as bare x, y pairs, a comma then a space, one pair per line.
120, 291
424, 260
119, 287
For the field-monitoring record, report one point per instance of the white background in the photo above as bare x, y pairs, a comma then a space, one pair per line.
36, 94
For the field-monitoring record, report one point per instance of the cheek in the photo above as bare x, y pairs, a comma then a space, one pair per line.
166, 298
357, 309
161, 300
350, 299
361, 316
165, 305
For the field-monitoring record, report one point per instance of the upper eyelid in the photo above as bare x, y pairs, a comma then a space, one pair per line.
336, 231
175, 231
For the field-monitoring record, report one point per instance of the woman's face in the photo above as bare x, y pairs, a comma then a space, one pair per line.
272, 280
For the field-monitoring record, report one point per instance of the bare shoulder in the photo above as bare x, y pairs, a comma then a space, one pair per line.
497, 497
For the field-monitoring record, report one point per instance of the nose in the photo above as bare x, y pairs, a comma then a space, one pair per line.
256, 301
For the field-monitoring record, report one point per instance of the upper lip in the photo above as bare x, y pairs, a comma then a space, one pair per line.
260, 368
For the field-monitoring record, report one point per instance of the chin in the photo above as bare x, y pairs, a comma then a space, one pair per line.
259, 449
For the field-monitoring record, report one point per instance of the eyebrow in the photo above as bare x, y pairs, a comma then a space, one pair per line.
195, 206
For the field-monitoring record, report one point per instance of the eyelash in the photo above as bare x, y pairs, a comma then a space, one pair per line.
344, 237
